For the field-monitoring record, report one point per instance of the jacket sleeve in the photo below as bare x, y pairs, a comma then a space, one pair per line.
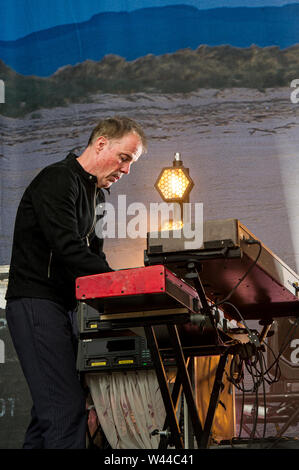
54, 197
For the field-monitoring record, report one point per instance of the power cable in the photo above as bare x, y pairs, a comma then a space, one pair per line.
249, 242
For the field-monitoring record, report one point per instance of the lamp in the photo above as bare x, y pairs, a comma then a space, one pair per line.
174, 184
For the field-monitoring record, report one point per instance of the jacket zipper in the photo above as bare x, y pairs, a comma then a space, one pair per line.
49, 264
94, 216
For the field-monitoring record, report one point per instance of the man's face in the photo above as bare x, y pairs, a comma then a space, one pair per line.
115, 157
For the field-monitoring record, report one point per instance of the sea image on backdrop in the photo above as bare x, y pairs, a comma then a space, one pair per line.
239, 144
227, 107
230, 111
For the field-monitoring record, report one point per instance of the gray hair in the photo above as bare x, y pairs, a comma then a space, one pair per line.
116, 127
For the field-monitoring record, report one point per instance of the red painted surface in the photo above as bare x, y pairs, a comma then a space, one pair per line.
150, 279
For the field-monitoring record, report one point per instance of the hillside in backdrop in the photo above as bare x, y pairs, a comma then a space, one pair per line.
157, 31
184, 71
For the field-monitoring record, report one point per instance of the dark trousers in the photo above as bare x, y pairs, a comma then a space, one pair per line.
44, 340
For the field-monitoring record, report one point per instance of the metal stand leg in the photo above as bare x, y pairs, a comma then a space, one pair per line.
186, 383
162, 379
288, 423
183, 381
213, 402
176, 393
188, 429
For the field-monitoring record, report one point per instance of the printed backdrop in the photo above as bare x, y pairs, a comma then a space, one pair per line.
214, 80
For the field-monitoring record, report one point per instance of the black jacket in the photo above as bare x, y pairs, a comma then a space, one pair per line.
54, 237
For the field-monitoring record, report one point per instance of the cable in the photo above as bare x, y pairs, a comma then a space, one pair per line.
285, 343
255, 406
264, 396
259, 373
277, 373
249, 242
256, 370
242, 413
252, 336
257, 376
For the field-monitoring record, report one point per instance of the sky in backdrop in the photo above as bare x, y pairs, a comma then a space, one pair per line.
22, 17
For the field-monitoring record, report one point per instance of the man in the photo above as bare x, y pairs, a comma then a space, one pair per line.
54, 243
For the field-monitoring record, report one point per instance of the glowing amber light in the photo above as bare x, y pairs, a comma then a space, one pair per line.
173, 184
172, 225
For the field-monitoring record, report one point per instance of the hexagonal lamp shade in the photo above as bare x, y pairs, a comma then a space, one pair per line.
174, 183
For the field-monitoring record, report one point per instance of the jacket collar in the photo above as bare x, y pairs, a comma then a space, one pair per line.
72, 160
